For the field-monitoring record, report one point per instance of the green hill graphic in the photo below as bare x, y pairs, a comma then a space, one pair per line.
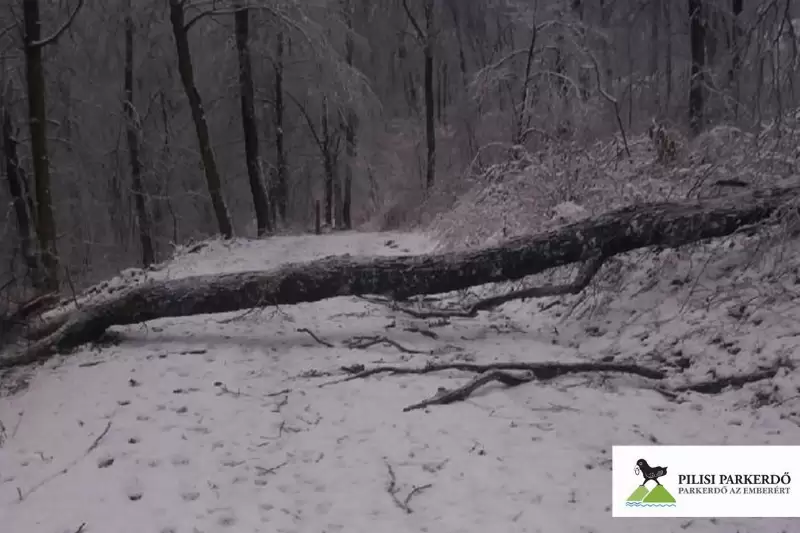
658, 495
638, 495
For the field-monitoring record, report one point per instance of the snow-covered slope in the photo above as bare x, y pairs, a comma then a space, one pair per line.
217, 423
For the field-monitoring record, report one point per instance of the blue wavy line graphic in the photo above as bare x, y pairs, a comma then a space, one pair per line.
640, 504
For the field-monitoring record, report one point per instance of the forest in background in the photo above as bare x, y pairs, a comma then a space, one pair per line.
131, 127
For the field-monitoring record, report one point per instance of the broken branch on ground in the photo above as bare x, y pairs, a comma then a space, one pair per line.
364, 342
314, 336
543, 371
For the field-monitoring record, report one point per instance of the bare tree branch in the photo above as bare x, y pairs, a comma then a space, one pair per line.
309, 122
420, 34
581, 281
64, 27
210, 13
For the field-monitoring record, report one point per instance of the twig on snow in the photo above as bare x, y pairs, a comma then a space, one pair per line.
313, 336
283, 401
90, 449
81, 528
462, 393
414, 492
224, 389
100, 437
362, 343
264, 471
393, 490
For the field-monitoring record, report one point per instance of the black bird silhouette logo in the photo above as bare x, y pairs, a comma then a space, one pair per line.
649, 472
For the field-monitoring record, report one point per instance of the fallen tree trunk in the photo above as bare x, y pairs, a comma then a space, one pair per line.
666, 224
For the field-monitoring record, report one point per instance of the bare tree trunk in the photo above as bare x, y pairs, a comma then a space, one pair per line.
280, 193
668, 53
317, 219
247, 97
583, 73
164, 157
332, 186
329, 153
349, 128
711, 24
430, 128
736, 52
462, 56
605, 45
523, 115
697, 48
655, 47
426, 39
133, 127
560, 67
736, 36
18, 191
180, 32
37, 122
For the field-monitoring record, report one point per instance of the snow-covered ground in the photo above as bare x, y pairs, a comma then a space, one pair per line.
217, 423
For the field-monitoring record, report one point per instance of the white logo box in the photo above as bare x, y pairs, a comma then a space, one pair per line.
706, 481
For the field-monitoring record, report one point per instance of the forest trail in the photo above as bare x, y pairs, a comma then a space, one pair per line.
217, 423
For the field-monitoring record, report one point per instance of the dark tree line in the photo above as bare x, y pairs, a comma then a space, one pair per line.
354, 104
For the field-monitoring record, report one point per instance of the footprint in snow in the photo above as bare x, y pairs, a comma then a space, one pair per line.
323, 508
226, 520
225, 516
190, 496
179, 460
134, 491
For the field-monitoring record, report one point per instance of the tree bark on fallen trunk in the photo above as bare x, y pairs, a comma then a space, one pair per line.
667, 224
